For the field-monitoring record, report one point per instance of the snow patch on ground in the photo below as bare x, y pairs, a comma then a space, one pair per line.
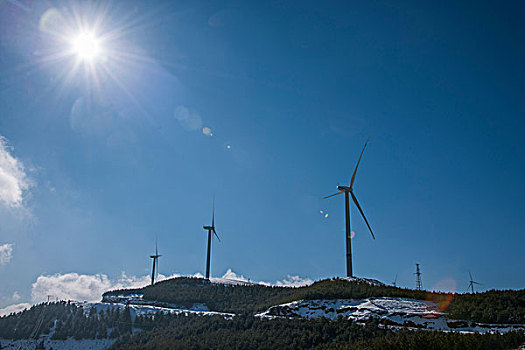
391, 312
150, 308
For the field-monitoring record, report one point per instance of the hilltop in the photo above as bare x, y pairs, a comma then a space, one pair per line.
247, 299
172, 313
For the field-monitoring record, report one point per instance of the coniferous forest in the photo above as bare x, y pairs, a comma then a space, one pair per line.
163, 331
487, 307
63, 320
246, 332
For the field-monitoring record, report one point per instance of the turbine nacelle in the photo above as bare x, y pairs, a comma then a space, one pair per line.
344, 188
207, 227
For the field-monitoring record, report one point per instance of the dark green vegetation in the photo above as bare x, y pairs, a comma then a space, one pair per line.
412, 340
227, 298
494, 306
488, 307
63, 320
71, 321
246, 332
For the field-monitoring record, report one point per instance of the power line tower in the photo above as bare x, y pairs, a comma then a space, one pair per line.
419, 284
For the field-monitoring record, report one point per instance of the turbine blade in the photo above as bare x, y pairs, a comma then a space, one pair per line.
477, 283
470, 275
335, 194
355, 171
216, 235
362, 214
213, 213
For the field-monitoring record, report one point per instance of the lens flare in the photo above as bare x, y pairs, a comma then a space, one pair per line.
442, 300
207, 131
352, 234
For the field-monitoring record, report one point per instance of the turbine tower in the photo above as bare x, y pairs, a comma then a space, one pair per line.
155, 264
419, 284
472, 283
210, 230
350, 190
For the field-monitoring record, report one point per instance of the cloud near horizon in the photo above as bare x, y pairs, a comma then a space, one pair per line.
14, 308
79, 287
294, 281
13, 179
83, 287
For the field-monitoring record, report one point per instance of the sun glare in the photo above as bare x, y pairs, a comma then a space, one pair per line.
86, 46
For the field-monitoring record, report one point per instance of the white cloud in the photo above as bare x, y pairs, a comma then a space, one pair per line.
6, 253
13, 179
70, 286
233, 276
16, 296
294, 281
74, 286
290, 281
14, 308
189, 120
80, 287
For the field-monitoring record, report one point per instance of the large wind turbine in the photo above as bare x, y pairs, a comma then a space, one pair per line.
350, 190
155, 263
472, 283
210, 230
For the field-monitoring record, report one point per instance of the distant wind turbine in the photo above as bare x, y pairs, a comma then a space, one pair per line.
210, 230
472, 283
155, 263
395, 281
350, 190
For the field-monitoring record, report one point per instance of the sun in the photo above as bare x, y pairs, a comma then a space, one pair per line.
86, 46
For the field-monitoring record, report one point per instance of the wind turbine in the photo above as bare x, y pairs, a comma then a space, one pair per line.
395, 281
350, 190
472, 283
210, 230
155, 263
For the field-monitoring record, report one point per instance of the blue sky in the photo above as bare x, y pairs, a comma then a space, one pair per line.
111, 153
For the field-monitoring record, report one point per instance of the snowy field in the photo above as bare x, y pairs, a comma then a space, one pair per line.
392, 312
152, 309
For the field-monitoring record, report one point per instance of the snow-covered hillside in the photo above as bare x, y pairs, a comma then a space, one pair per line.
392, 312
139, 307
